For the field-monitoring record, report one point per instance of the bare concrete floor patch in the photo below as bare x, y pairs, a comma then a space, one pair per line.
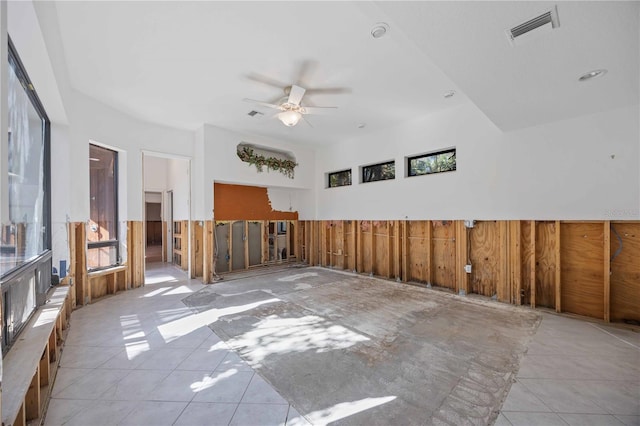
346, 349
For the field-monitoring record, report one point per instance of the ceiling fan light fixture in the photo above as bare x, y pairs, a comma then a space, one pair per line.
289, 118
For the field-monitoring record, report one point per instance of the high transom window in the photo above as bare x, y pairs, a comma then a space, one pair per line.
381, 171
435, 162
341, 178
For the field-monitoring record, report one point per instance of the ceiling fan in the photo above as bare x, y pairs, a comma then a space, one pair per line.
291, 109
290, 105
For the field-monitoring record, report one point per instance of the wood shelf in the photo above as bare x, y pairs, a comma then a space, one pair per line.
31, 364
180, 245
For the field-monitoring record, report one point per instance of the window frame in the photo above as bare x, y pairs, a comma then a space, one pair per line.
35, 272
18, 67
337, 173
430, 154
384, 163
112, 242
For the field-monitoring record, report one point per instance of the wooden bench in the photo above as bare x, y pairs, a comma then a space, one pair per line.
30, 366
106, 281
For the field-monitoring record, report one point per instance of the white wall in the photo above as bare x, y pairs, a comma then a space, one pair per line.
561, 170
155, 173
92, 120
221, 164
178, 181
60, 185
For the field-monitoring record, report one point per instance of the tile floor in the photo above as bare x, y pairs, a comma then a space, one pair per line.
143, 358
576, 373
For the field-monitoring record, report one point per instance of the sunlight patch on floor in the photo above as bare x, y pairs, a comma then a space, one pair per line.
208, 381
275, 335
156, 292
157, 279
135, 349
298, 276
346, 409
183, 289
183, 326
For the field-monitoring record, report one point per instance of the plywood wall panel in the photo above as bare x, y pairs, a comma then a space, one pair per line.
359, 247
381, 241
208, 252
625, 272
581, 253
164, 240
78, 261
197, 246
527, 256
135, 253
418, 251
484, 241
443, 248
545, 264
98, 287
509, 261
350, 241
338, 245
367, 252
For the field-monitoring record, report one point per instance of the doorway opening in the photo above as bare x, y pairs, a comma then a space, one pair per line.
154, 228
167, 209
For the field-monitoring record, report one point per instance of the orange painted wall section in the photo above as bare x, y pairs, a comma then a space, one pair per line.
240, 202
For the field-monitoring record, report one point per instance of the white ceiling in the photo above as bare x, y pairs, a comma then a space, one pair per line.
183, 64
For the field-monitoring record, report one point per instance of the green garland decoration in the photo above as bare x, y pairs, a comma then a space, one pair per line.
286, 167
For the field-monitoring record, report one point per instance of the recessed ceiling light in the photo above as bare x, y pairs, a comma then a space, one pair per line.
592, 74
361, 125
449, 94
379, 29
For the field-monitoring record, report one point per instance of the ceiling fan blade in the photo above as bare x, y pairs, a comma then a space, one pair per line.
307, 67
296, 94
266, 80
267, 104
328, 91
307, 121
319, 110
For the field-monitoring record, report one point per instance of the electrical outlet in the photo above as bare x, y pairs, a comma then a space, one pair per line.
467, 268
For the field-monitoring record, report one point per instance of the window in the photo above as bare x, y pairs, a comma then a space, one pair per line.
282, 228
342, 178
436, 162
25, 213
382, 171
25, 220
102, 235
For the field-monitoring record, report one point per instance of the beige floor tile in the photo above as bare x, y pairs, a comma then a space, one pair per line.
590, 420
154, 413
519, 418
260, 414
207, 413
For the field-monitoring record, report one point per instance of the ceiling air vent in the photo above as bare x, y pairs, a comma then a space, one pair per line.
534, 27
